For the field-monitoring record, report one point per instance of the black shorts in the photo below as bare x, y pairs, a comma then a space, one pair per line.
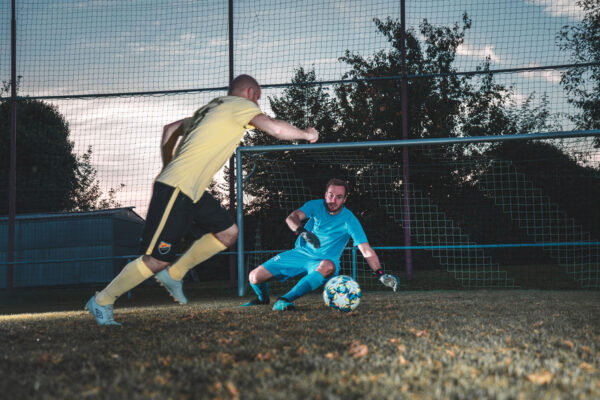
172, 216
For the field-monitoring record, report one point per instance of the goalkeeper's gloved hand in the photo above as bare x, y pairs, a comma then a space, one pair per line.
310, 237
388, 280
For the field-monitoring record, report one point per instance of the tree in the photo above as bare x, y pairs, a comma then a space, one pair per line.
50, 176
583, 84
441, 104
371, 109
87, 194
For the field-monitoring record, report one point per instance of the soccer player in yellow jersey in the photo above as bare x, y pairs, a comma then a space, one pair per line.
193, 150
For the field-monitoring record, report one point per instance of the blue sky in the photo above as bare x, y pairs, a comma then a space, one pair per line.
76, 46
71, 47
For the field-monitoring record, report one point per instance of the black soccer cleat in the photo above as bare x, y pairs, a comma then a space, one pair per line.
257, 302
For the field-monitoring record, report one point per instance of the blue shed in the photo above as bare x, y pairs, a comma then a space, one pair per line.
60, 248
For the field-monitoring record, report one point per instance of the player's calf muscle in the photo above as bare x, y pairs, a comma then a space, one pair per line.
154, 264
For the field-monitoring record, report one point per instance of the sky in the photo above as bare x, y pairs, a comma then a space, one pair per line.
82, 47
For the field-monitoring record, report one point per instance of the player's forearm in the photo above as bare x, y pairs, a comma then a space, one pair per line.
285, 131
282, 130
171, 134
293, 222
373, 262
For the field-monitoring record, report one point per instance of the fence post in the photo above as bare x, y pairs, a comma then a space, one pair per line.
232, 205
354, 262
12, 191
405, 162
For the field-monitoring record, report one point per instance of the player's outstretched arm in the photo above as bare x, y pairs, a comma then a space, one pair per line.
282, 130
370, 256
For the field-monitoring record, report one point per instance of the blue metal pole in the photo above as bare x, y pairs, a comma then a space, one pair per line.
240, 223
354, 262
422, 142
405, 160
12, 175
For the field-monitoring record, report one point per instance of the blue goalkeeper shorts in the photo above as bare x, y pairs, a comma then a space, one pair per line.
294, 263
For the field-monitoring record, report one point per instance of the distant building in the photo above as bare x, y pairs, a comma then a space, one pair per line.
70, 248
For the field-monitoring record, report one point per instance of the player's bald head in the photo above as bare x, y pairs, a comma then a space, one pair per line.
242, 82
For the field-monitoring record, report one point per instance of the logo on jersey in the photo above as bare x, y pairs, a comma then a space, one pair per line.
164, 248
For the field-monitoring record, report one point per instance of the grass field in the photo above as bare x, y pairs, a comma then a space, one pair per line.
428, 344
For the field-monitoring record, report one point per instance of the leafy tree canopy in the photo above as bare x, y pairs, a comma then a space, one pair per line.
583, 84
50, 176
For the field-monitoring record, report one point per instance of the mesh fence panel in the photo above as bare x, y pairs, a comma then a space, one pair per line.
515, 214
99, 79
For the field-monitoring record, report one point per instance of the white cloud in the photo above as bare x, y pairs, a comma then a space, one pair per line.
560, 8
188, 37
466, 49
551, 76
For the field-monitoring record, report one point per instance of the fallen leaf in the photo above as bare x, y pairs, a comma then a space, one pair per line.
541, 378
587, 367
190, 316
567, 343
358, 349
401, 348
223, 358
232, 390
165, 361
422, 333
586, 349
402, 360
49, 358
331, 355
375, 378
91, 392
264, 357
161, 380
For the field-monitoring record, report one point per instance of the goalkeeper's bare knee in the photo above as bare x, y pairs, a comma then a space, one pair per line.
326, 268
259, 275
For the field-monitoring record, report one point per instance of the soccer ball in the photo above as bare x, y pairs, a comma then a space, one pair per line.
342, 293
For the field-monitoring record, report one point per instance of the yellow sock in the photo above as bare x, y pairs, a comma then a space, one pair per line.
132, 275
201, 250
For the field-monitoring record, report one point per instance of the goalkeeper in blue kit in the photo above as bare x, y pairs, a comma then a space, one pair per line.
316, 255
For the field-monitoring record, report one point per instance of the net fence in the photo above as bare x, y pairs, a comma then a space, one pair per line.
488, 215
97, 80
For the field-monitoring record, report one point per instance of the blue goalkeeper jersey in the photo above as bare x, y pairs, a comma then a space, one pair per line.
333, 231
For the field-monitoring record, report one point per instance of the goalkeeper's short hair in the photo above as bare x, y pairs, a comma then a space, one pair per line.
337, 182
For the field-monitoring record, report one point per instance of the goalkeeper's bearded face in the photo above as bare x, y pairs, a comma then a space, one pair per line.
335, 197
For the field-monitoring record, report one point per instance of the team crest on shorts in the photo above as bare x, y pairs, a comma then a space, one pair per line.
164, 248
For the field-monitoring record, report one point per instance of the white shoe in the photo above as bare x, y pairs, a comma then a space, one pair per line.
103, 314
175, 288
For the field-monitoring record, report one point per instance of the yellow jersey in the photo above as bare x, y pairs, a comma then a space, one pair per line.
210, 137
